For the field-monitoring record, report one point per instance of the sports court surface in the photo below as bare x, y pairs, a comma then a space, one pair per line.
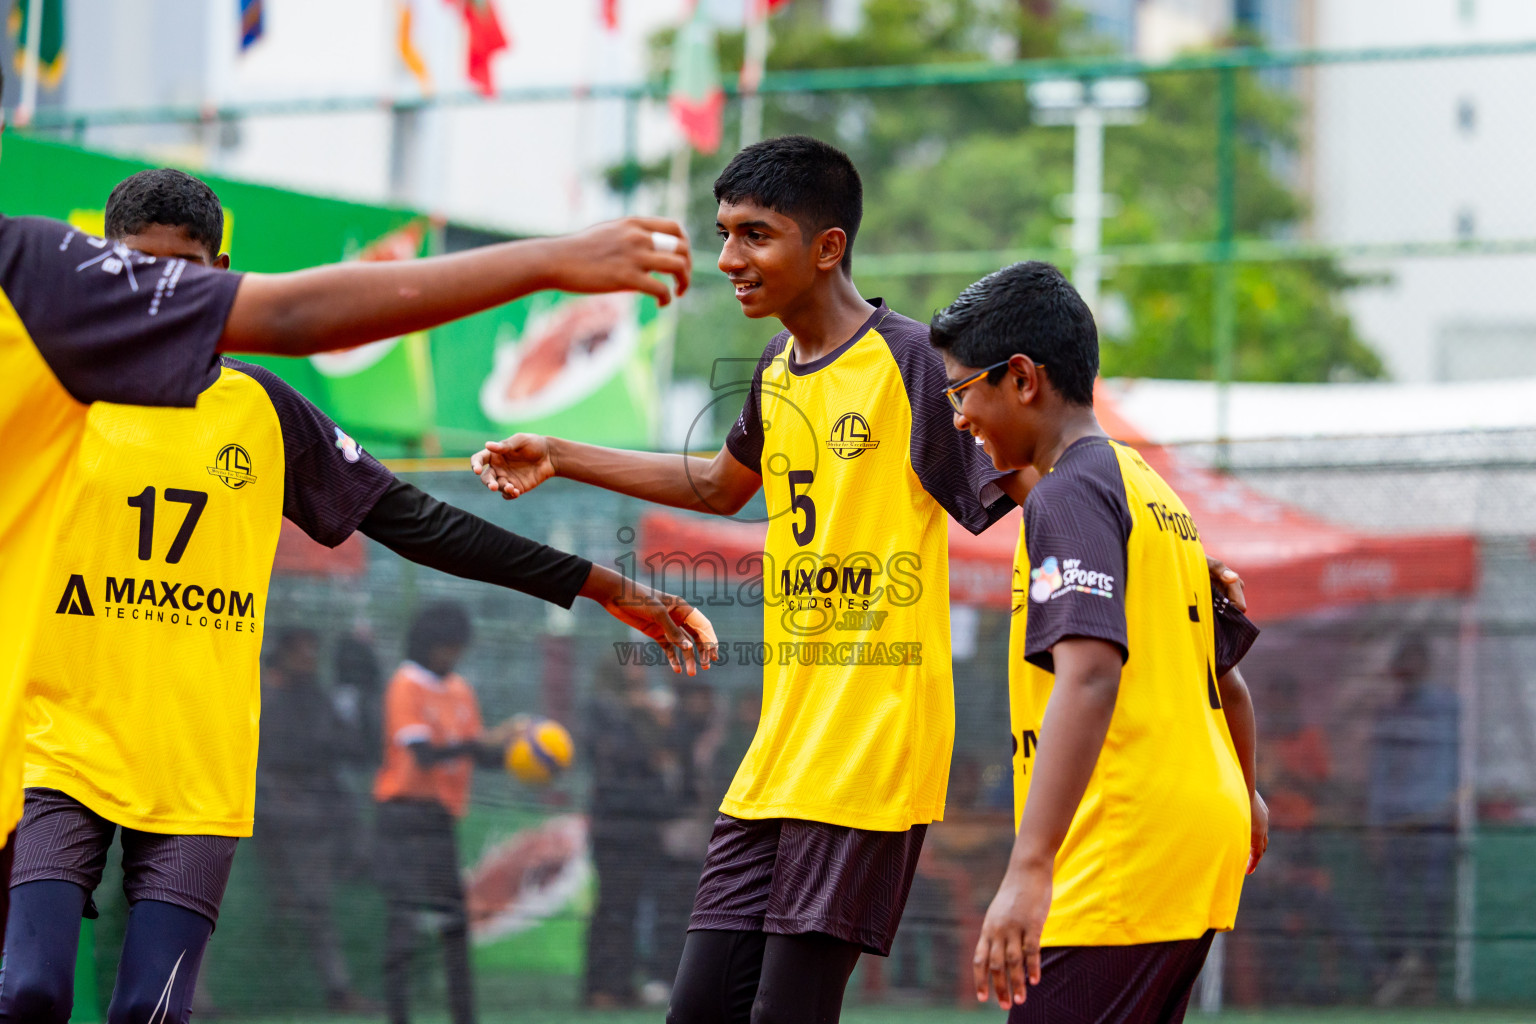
880, 1015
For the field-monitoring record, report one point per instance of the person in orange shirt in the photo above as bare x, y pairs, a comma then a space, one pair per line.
433, 739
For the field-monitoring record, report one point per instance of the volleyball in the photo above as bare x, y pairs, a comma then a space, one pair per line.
540, 749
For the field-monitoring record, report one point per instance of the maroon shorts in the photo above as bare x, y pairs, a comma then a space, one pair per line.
61, 839
784, 876
1147, 983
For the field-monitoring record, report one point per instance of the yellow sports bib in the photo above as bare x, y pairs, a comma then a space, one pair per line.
81, 320
1159, 844
39, 428
145, 687
859, 462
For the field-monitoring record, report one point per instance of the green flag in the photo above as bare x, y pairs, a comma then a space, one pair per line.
51, 53
695, 96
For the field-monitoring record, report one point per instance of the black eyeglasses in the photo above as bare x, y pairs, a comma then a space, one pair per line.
953, 393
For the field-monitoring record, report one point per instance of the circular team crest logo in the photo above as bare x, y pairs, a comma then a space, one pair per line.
850, 436
233, 466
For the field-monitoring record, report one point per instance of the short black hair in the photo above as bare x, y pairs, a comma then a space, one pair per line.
1027, 308
170, 197
805, 179
439, 624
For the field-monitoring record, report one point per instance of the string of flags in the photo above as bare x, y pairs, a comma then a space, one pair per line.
50, 54
695, 96
484, 37
252, 23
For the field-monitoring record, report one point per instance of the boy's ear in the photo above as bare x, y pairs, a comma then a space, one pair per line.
831, 246
221, 261
1028, 381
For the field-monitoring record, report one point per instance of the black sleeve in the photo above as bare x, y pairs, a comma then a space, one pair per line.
329, 482
1076, 526
113, 324
745, 439
485, 755
1235, 634
953, 469
417, 526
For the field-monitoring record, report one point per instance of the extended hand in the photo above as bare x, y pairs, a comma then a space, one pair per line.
514, 466
1227, 581
683, 631
1009, 948
620, 256
1259, 837
505, 732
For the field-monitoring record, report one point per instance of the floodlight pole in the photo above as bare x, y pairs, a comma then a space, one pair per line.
1224, 295
1088, 105
1087, 201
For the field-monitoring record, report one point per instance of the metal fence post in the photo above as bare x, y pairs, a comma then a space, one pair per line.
1224, 294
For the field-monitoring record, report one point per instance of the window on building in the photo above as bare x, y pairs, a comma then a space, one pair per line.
1466, 115
1466, 224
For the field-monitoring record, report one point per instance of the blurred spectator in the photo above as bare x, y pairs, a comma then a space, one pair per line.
432, 739
629, 755
1290, 917
693, 739
358, 696
1411, 809
300, 802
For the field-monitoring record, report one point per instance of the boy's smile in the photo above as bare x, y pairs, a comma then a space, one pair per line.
993, 414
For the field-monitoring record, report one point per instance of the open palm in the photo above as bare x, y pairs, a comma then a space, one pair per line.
514, 466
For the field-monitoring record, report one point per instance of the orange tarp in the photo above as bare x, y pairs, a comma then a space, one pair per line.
1292, 562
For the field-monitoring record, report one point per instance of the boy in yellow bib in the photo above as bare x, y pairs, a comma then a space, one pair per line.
86, 320
1133, 766
845, 430
143, 684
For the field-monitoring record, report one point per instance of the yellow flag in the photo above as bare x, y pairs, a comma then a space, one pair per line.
409, 55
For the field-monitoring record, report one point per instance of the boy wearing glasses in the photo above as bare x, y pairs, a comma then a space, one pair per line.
1133, 732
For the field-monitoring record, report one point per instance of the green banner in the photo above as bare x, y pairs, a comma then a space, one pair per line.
382, 394
580, 366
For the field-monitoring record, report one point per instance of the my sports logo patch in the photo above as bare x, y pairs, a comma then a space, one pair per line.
350, 449
1053, 578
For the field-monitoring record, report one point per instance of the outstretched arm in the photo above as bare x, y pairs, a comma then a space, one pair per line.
419, 527
350, 304
1237, 706
485, 753
1071, 735
721, 485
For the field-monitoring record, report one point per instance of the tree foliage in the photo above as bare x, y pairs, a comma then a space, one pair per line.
966, 168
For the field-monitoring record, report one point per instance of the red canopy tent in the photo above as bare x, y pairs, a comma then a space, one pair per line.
1292, 562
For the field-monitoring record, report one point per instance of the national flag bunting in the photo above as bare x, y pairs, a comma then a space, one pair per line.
695, 96
51, 53
486, 39
252, 22
405, 40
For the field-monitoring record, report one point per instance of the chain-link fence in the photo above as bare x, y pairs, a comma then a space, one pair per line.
1398, 756
1266, 217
